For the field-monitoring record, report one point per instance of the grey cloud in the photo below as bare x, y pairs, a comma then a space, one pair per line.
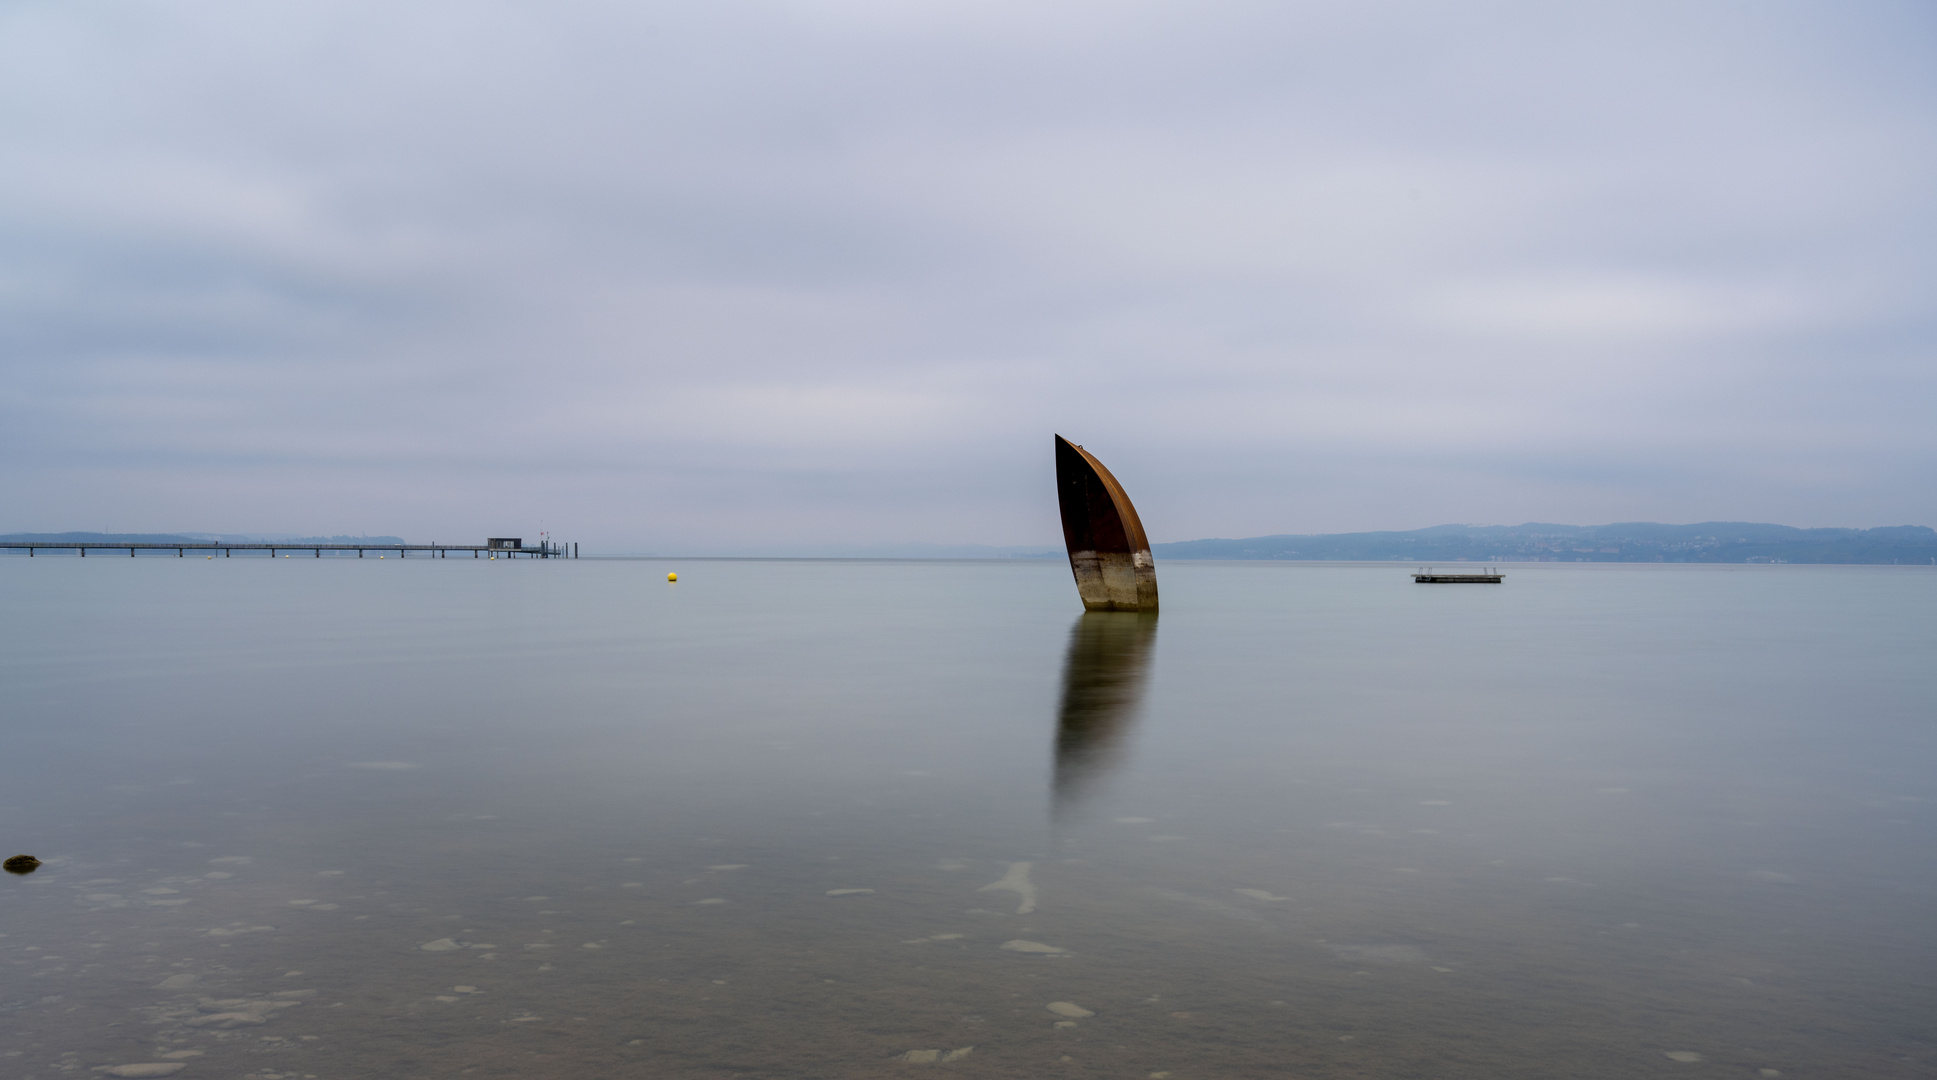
827, 272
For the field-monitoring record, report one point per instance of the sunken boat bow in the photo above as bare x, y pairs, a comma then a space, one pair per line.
1107, 549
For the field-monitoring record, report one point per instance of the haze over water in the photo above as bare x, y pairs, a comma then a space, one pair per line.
342, 818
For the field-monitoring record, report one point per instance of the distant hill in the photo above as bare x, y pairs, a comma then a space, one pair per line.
1635, 541
191, 538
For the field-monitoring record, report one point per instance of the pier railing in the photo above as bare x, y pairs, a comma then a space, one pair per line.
431, 551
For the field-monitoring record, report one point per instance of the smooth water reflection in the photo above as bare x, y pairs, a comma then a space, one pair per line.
1103, 678
564, 819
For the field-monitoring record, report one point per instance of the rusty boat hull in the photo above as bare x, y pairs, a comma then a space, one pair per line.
1108, 552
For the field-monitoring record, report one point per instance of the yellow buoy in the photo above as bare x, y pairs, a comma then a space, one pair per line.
672, 577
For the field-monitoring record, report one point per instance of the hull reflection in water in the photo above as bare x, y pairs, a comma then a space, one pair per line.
1103, 678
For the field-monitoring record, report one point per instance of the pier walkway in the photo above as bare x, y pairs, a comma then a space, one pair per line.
403, 551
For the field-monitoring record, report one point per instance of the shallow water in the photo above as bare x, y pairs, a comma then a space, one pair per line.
342, 818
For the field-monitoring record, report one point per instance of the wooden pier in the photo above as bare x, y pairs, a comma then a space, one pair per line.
493, 550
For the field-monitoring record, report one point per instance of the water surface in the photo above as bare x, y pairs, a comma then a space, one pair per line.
342, 818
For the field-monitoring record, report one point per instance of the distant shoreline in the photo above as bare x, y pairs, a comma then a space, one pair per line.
1629, 542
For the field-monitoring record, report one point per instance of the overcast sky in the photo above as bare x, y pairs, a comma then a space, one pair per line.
729, 274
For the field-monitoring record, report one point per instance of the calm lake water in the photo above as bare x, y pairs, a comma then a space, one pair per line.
343, 819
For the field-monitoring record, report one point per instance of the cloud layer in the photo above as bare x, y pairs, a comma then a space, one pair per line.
744, 274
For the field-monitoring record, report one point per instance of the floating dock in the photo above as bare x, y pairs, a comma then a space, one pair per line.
495, 549
1486, 577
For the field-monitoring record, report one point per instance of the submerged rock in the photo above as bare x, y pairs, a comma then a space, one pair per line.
1070, 1009
1022, 946
146, 1068
1378, 954
930, 1057
1016, 881
21, 864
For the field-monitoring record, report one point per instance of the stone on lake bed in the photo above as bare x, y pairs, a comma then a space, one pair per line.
848, 892
1022, 946
1016, 881
146, 1068
228, 1019
1686, 1057
929, 1057
1070, 1009
1378, 954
